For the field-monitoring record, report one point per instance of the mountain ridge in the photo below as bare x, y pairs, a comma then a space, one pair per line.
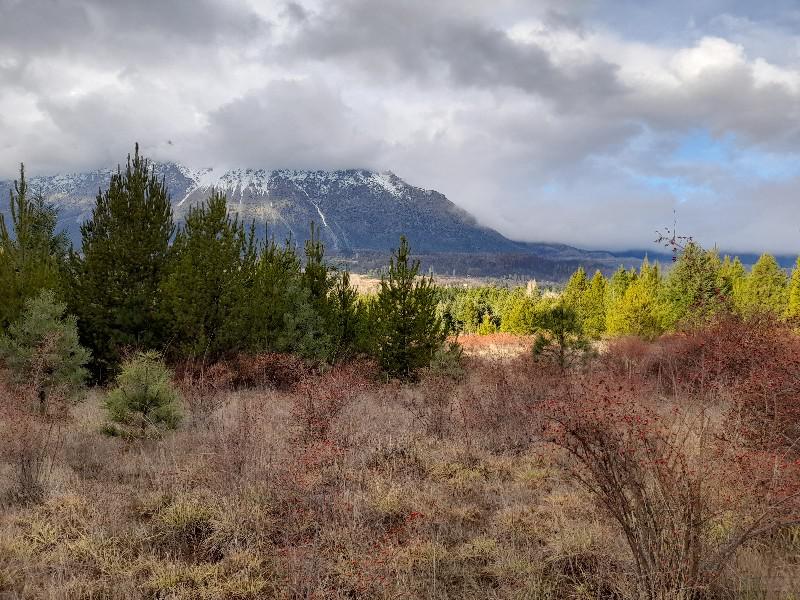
357, 210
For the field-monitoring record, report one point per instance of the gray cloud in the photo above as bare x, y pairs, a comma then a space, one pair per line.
287, 124
41, 26
424, 41
548, 119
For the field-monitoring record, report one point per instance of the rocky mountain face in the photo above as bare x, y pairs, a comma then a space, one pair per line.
357, 211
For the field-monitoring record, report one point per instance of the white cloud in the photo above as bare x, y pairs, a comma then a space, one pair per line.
549, 120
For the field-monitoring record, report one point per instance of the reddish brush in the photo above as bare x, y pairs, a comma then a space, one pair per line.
667, 476
29, 441
319, 400
272, 370
203, 387
754, 364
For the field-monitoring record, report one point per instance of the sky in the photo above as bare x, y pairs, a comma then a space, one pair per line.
593, 123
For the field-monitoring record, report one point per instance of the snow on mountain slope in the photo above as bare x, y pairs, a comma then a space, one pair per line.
356, 209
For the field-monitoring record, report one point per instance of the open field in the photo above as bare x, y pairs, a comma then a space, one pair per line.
335, 486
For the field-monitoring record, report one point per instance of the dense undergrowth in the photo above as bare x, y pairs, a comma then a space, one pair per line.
664, 469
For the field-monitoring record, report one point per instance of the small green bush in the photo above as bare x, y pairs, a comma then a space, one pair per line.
144, 398
560, 338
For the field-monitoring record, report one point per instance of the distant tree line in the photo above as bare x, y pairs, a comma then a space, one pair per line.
206, 289
645, 302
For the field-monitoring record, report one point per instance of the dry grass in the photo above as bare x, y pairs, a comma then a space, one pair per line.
432, 491
495, 345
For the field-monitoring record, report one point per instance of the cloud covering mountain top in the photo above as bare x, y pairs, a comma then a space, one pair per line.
581, 122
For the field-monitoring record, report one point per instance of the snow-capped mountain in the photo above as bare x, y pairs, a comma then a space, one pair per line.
358, 212
355, 209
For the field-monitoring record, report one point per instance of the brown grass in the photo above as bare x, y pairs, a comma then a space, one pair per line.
335, 488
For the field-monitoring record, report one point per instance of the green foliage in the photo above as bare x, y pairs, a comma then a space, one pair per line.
317, 276
560, 336
615, 292
593, 307
637, 313
691, 291
731, 276
521, 318
204, 289
273, 287
793, 303
487, 326
32, 255
144, 398
280, 314
764, 289
575, 289
117, 278
487, 309
346, 315
469, 310
409, 329
42, 350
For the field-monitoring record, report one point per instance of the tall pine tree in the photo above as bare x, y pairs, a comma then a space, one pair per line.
409, 328
117, 276
593, 307
32, 255
765, 288
731, 276
574, 290
204, 289
615, 291
691, 290
637, 313
347, 318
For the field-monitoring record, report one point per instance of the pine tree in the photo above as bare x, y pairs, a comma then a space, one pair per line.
793, 304
521, 317
280, 315
32, 255
637, 313
560, 336
691, 290
204, 289
615, 290
765, 288
318, 280
117, 276
317, 276
575, 288
409, 330
347, 316
42, 351
731, 276
144, 398
593, 307
275, 283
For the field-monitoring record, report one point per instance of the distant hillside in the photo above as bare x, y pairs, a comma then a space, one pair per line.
359, 212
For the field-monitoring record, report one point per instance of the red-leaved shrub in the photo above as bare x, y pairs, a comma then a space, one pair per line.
319, 399
269, 370
669, 477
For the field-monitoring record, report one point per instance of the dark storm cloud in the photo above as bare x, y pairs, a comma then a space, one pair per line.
422, 41
41, 26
